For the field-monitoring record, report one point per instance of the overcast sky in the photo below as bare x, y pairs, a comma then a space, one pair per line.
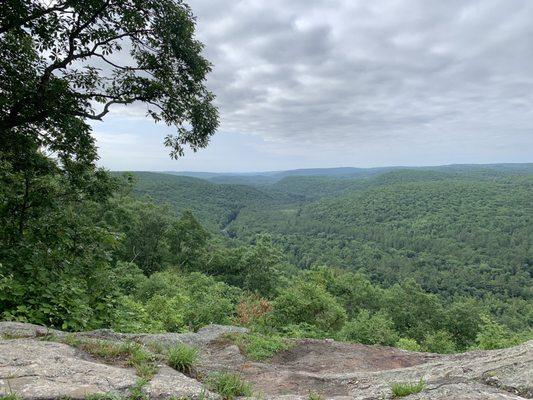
322, 83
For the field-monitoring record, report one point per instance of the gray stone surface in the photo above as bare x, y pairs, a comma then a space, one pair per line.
203, 336
46, 370
38, 369
169, 383
21, 330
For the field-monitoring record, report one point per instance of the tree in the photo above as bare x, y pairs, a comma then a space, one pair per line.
187, 240
145, 236
67, 61
261, 267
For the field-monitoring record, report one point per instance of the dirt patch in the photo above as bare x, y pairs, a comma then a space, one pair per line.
314, 366
330, 357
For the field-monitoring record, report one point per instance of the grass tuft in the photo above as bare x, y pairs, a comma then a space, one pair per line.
102, 396
137, 392
10, 396
182, 357
259, 347
228, 385
405, 389
131, 353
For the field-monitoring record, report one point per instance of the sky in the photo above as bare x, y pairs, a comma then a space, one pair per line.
363, 83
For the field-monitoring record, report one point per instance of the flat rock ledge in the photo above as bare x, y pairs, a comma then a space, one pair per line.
37, 368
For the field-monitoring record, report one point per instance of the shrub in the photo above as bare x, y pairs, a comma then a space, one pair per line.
439, 342
408, 344
303, 330
493, 335
260, 347
405, 389
370, 329
132, 317
168, 311
212, 302
228, 385
307, 302
252, 310
182, 357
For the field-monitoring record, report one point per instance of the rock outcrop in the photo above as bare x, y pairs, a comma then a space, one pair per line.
35, 363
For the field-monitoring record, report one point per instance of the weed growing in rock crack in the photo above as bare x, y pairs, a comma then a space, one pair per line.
405, 389
102, 396
182, 357
228, 385
314, 396
137, 392
10, 396
260, 347
133, 354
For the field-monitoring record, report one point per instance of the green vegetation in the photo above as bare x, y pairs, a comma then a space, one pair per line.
370, 329
130, 353
228, 385
11, 396
405, 389
182, 358
408, 344
102, 396
133, 265
137, 392
260, 347
434, 259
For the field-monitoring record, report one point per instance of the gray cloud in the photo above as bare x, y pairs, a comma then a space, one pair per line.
354, 72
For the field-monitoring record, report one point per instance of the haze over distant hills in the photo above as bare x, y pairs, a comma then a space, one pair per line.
265, 177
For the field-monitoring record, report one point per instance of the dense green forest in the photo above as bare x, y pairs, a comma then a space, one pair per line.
417, 259
455, 231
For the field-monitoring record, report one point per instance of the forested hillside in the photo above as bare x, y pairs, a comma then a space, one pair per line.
422, 260
453, 235
215, 205
456, 230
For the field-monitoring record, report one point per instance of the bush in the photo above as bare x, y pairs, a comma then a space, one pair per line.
212, 302
439, 342
306, 302
303, 330
132, 317
370, 329
168, 311
408, 344
405, 389
182, 357
228, 385
252, 309
493, 335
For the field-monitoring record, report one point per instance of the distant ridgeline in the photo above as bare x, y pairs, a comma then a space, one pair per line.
457, 230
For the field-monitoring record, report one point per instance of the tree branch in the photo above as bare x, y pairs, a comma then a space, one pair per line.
14, 23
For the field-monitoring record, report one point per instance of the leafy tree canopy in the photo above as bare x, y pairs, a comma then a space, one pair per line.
65, 62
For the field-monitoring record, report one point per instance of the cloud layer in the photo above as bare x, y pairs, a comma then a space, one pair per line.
335, 81
358, 71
